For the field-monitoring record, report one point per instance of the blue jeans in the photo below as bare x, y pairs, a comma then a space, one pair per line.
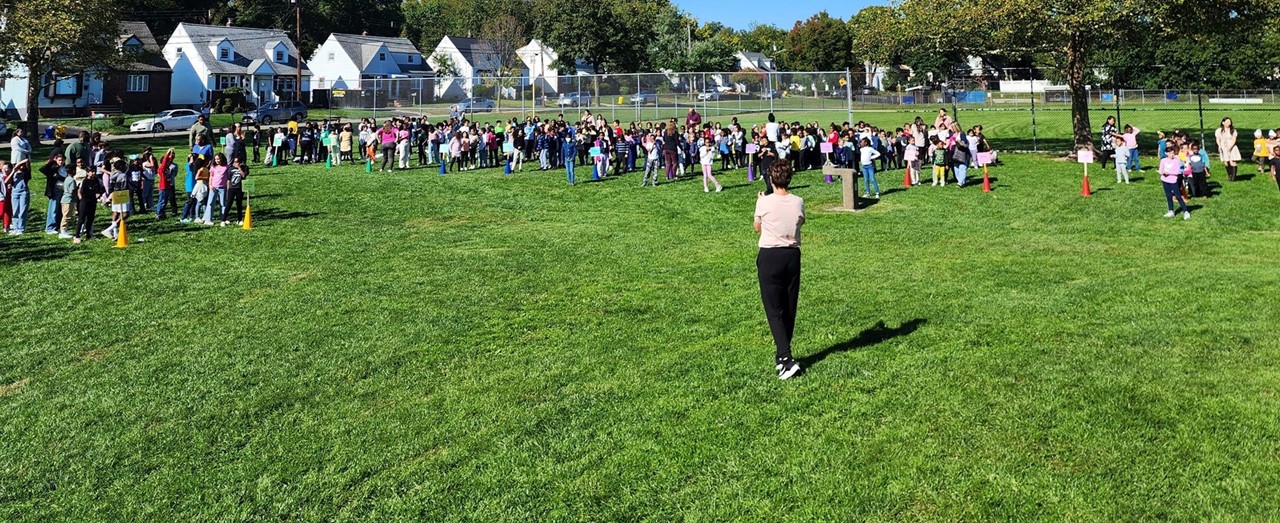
147, 187
869, 172
568, 167
219, 195
53, 217
961, 171
21, 201
1134, 164
1172, 191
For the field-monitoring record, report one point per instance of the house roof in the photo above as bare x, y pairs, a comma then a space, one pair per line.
471, 48
255, 42
150, 58
363, 49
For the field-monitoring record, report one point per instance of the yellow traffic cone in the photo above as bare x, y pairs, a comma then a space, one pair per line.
122, 239
248, 220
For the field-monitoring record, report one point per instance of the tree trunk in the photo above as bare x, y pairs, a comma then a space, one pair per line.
1079, 94
32, 127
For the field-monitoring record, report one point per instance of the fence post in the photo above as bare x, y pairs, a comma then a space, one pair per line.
1035, 142
1115, 93
375, 99
1200, 109
848, 92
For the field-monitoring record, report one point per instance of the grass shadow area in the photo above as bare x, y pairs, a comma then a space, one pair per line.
867, 338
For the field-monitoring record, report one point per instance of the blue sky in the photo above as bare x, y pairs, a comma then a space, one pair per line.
740, 14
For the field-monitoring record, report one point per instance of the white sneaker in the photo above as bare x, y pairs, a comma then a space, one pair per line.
789, 370
719, 188
51, 232
1186, 215
877, 196
866, 195
64, 235
704, 189
1168, 214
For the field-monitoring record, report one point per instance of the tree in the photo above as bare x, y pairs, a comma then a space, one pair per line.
767, 39
1070, 33
876, 34
578, 30
750, 79
711, 55
443, 65
504, 35
33, 39
820, 43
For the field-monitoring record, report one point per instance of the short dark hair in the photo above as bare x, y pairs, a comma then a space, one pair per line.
780, 174
119, 165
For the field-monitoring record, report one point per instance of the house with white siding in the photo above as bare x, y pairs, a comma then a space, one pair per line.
205, 58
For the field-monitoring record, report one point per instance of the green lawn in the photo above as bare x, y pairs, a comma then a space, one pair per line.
412, 347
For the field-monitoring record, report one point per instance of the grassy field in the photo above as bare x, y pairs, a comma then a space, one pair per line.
478, 347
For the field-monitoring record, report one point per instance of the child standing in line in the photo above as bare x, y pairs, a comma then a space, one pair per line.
867, 156
194, 167
938, 155
1198, 163
87, 194
707, 157
69, 199
1122, 162
1275, 164
911, 158
118, 187
1130, 138
651, 152
1170, 168
1259, 149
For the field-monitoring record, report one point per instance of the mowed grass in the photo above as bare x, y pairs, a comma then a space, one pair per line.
477, 347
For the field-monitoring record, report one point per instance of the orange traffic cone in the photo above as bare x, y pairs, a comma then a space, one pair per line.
1084, 190
122, 239
248, 220
986, 180
906, 177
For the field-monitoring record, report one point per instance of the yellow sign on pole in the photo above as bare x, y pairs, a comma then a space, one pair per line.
338, 93
119, 197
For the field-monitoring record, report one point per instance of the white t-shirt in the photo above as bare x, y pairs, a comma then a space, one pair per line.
771, 131
780, 218
707, 155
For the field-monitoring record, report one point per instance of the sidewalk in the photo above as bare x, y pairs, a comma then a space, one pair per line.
73, 132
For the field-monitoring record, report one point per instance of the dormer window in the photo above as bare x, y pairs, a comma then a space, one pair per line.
410, 58
330, 57
280, 56
382, 57
224, 54
278, 52
225, 51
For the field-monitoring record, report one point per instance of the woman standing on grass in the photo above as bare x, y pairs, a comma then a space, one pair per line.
778, 218
1228, 150
1108, 149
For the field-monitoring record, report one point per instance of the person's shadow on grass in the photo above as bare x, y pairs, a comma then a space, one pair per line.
875, 335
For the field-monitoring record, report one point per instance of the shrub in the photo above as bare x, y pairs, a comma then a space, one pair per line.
624, 90
117, 120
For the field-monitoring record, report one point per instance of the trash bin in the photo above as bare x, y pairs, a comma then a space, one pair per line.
48, 133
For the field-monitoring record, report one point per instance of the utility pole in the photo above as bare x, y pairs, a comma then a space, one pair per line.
297, 87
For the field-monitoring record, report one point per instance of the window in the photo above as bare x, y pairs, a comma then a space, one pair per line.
330, 57
322, 83
177, 52
139, 83
280, 56
227, 81
224, 54
382, 57
66, 86
284, 84
410, 58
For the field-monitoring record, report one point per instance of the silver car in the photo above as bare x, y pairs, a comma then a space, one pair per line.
475, 105
709, 95
574, 100
642, 98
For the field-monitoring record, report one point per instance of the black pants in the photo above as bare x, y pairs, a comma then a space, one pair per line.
1199, 185
235, 195
85, 210
1104, 155
779, 273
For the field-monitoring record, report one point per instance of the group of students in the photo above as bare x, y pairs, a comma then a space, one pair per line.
1185, 164
90, 173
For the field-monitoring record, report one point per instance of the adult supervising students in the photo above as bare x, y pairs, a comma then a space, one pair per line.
778, 220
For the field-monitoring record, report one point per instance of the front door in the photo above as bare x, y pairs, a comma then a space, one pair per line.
265, 94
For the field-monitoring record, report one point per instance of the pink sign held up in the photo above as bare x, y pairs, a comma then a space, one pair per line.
826, 148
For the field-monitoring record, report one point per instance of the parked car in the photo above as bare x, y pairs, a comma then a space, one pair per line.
171, 120
474, 105
574, 100
282, 111
709, 95
642, 98
770, 94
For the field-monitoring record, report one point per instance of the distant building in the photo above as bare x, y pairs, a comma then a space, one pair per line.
344, 60
141, 85
474, 59
538, 59
205, 58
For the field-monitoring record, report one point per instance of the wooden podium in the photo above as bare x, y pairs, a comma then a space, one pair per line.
848, 182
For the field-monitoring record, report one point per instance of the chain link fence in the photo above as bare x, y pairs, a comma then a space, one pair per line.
637, 97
